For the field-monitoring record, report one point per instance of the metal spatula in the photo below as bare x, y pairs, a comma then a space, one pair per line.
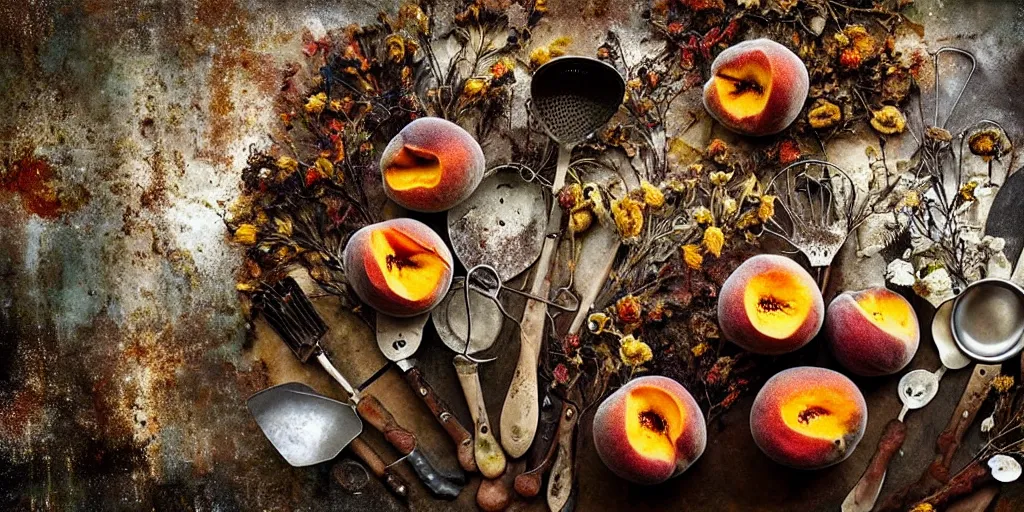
572, 97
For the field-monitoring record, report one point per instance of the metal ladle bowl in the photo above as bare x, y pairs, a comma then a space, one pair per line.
574, 96
988, 320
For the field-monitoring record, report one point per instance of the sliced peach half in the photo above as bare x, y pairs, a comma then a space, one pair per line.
872, 332
431, 165
399, 267
757, 87
649, 430
770, 305
808, 418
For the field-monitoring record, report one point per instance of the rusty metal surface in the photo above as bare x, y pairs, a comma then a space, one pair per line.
125, 360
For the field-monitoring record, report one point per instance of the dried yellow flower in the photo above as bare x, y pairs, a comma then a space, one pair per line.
1002, 383
652, 195
284, 226
634, 352
888, 121
580, 221
841, 39
325, 167
767, 208
598, 322
862, 40
966, 192
474, 87
629, 217
245, 287
923, 507
824, 114
316, 103
720, 179
729, 206
396, 47
714, 240
692, 256
989, 143
245, 234
287, 164
700, 349
702, 215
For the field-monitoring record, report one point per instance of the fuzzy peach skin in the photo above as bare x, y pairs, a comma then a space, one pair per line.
770, 305
808, 418
872, 332
649, 430
757, 87
431, 165
399, 267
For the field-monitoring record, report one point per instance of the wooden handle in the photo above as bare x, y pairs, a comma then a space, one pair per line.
489, 457
521, 410
495, 495
963, 416
561, 479
379, 468
528, 483
863, 495
381, 419
462, 438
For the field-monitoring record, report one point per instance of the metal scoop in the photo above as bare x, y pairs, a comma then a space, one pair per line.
988, 320
572, 97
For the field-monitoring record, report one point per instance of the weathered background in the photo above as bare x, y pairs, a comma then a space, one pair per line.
124, 358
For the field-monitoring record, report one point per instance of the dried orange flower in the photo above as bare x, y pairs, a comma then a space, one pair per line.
628, 309
653, 196
824, 114
850, 58
316, 103
989, 143
888, 121
923, 507
629, 217
767, 208
714, 240
580, 221
1002, 383
692, 256
245, 234
634, 352
717, 150
862, 40
504, 66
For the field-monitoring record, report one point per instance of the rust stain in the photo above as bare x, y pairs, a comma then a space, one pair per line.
41, 191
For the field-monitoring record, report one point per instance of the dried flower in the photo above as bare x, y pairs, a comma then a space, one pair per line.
717, 150
692, 256
966, 192
767, 208
570, 196
561, 374
287, 165
720, 179
570, 343
503, 67
396, 48
789, 151
542, 54
1002, 383
474, 87
729, 206
989, 143
850, 58
824, 114
923, 507
862, 40
316, 103
629, 218
628, 309
245, 234
653, 196
634, 352
598, 322
700, 349
888, 121
911, 199
702, 215
580, 221
714, 239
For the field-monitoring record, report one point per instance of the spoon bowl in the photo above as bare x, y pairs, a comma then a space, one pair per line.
942, 333
918, 388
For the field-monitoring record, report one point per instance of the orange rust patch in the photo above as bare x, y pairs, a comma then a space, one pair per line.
41, 192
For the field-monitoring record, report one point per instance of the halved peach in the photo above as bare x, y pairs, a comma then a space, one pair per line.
757, 87
770, 305
649, 430
808, 417
431, 165
872, 332
399, 267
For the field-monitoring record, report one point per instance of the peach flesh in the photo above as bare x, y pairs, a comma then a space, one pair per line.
398, 267
770, 305
808, 418
649, 430
872, 332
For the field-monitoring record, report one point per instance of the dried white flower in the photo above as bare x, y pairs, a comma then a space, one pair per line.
900, 273
1004, 468
987, 424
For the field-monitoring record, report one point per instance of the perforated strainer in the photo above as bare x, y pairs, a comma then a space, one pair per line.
574, 96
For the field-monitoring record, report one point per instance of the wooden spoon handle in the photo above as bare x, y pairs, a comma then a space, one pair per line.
863, 495
489, 457
381, 419
442, 412
521, 410
560, 483
379, 468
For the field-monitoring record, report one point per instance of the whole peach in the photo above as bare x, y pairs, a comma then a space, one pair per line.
757, 87
808, 417
770, 305
399, 267
431, 165
649, 430
872, 332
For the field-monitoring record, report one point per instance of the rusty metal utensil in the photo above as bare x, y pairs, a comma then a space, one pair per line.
821, 210
399, 339
501, 224
307, 428
289, 312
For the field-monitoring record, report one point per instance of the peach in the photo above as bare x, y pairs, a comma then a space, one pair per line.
399, 267
770, 305
431, 165
757, 87
649, 430
808, 418
872, 332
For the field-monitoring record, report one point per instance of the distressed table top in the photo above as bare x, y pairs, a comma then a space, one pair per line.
125, 359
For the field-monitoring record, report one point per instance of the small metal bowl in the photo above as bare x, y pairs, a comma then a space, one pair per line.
988, 320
